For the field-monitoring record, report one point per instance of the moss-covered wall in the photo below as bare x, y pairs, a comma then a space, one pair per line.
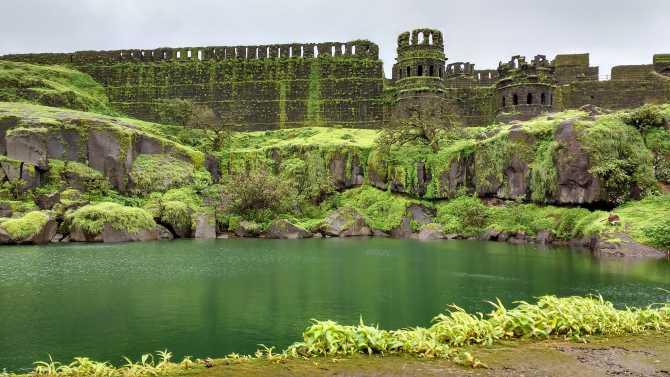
260, 87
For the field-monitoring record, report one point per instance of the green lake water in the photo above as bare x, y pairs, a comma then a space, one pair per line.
210, 298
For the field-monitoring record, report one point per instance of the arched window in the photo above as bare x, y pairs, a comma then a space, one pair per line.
431, 71
420, 71
504, 102
529, 99
543, 98
409, 72
440, 71
515, 99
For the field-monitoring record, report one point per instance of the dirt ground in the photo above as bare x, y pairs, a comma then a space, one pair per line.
647, 356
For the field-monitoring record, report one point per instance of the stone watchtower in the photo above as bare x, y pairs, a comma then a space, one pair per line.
419, 73
420, 61
526, 88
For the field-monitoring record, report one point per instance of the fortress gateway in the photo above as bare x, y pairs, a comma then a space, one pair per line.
293, 85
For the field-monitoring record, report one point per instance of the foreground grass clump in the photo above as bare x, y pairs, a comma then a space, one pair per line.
92, 218
148, 365
571, 317
26, 226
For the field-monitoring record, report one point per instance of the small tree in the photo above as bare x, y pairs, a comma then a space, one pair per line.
221, 126
427, 121
257, 195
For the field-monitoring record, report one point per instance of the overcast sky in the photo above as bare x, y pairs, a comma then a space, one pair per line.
615, 32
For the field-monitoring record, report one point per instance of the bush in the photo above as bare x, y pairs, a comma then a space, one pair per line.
258, 196
92, 218
645, 118
464, 215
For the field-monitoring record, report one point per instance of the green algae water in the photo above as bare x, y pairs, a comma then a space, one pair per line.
211, 298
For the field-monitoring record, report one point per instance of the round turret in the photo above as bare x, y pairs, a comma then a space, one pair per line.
421, 59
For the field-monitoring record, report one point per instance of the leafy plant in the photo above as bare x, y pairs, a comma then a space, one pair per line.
645, 118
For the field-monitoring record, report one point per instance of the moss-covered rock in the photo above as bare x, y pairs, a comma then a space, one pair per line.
159, 173
283, 229
111, 222
33, 228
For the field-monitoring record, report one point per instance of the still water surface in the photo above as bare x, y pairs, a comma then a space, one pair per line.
210, 298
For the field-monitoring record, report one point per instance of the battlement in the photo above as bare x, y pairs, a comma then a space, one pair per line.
429, 38
356, 49
459, 69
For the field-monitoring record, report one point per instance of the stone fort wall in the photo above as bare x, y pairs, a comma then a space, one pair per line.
260, 87
317, 84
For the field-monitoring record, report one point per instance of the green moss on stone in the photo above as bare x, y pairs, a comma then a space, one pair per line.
92, 218
27, 226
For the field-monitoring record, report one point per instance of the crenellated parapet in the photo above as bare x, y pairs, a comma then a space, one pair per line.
356, 49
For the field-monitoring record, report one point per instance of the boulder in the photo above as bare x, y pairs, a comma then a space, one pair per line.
420, 214
4, 237
47, 201
283, 229
43, 236
345, 222
6, 210
205, 226
111, 235
404, 230
164, 233
431, 232
545, 237
415, 214
490, 235
248, 229
504, 236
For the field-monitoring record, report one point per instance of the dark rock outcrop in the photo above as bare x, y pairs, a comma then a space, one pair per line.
105, 154
576, 185
28, 146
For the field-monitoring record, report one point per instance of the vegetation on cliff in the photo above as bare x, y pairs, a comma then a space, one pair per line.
586, 158
56, 86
